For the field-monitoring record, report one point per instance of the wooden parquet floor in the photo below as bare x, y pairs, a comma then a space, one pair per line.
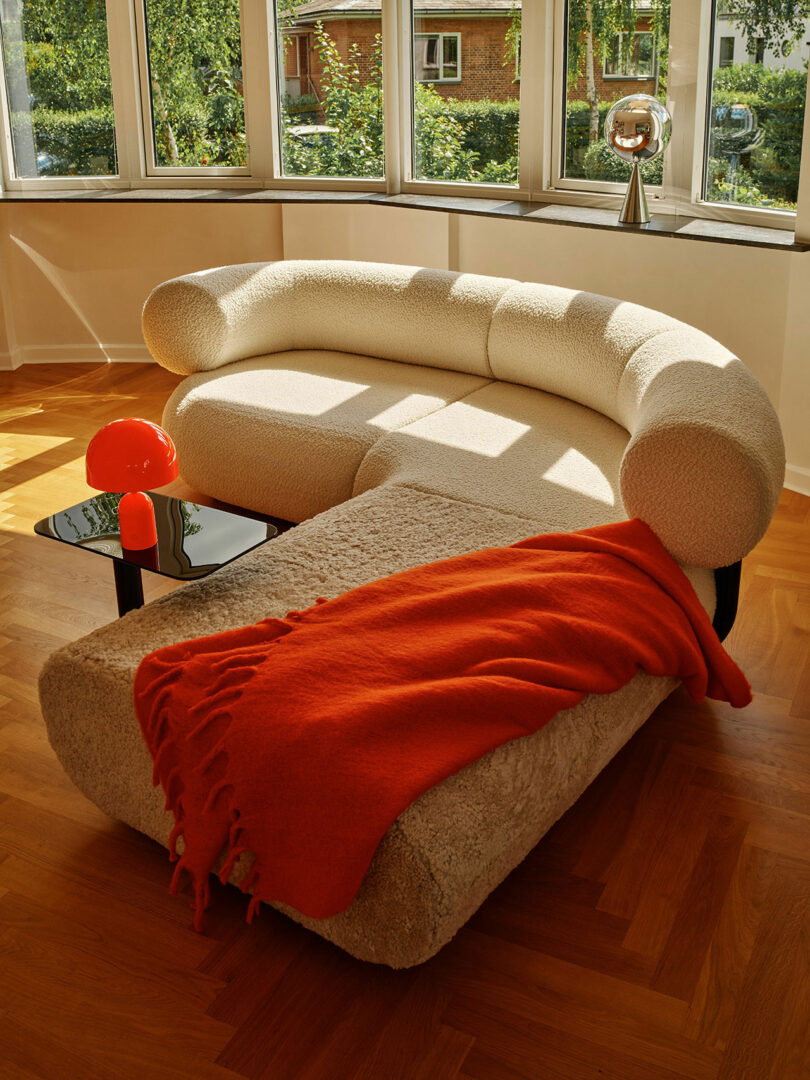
661, 931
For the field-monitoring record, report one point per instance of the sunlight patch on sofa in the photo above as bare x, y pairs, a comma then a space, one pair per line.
577, 473
299, 392
466, 428
403, 411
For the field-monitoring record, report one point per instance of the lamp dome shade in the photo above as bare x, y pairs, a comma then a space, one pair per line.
130, 454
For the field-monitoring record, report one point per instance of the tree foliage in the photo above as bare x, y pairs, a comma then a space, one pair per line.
593, 26
449, 145
771, 21
57, 51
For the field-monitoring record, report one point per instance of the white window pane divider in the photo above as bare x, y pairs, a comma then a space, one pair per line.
687, 90
396, 103
125, 79
536, 94
6, 149
259, 79
803, 200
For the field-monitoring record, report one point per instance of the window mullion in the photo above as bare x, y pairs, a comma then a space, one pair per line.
126, 93
260, 81
536, 94
803, 198
690, 27
395, 121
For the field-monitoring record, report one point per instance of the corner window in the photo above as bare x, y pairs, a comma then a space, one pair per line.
330, 89
437, 57
465, 118
755, 116
631, 56
195, 84
57, 66
612, 49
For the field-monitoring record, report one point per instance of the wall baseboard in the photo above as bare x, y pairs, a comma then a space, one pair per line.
8, 362
81, 354
797, 479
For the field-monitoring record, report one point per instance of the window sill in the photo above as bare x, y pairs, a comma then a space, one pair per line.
680, 228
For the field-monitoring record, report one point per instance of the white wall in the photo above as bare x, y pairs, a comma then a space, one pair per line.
74, 276
755, 300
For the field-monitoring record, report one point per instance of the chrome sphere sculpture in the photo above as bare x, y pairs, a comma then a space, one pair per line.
637, 130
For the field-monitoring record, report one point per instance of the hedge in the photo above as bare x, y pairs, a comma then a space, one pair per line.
78, 143
577, 135
602, 164
778, 99
490, 127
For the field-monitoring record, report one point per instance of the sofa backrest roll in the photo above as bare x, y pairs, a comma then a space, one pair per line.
705, 463
405, 313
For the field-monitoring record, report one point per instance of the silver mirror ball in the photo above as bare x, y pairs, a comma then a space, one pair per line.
637, 130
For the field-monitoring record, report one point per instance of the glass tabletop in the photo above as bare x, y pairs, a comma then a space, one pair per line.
193, 540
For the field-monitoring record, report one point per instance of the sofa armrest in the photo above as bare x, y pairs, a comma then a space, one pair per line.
705, 464
201, 321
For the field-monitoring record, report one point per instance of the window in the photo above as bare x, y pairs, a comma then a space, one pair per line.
466, 114
756, 114
57, 70
631, 56
330, 89
756, 50
605, 39
194, 58
436, 57
289, 93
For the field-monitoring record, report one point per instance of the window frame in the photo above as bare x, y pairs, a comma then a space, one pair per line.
624, 77
152, 168
541, 91
440, 35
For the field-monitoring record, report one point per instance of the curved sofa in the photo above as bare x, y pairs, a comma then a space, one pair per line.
404, 415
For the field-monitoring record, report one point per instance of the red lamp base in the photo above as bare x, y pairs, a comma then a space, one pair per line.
136, 521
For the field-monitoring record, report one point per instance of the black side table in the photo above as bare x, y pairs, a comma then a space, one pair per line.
193, 541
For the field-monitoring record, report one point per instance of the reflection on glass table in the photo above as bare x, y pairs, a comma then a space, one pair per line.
193, 540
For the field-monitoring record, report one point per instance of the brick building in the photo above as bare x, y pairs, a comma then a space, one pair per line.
459, 45
460, 48
629, 68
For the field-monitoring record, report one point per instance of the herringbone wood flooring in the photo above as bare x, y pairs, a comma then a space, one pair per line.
660, 931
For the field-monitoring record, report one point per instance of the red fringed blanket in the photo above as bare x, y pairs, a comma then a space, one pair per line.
303, 739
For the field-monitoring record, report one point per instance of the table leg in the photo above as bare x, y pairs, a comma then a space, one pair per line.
128, 586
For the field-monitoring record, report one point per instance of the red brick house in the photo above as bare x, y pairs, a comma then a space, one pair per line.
459, 49
459, 45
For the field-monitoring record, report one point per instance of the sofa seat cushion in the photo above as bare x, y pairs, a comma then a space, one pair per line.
450, 848
514, 449
242, 431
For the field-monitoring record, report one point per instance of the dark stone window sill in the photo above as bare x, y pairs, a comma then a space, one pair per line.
681, 228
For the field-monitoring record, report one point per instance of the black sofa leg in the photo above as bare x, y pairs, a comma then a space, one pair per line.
727, 586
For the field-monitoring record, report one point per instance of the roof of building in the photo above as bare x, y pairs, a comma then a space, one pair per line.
429, 7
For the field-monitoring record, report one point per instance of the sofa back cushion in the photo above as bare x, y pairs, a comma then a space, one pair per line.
406, 313
573, 344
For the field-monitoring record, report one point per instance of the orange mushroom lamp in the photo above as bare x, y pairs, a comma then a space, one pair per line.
128, 455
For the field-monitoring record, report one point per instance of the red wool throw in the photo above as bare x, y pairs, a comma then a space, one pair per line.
301, 740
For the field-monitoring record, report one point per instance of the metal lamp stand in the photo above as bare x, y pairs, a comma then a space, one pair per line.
634, 209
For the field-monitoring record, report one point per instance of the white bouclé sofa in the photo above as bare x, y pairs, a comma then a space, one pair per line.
404, 415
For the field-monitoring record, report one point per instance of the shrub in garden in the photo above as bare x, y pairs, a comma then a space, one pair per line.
602, 164
778, 98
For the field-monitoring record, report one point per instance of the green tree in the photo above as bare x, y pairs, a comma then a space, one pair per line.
196, 82
56, 54
593, 26
771, 21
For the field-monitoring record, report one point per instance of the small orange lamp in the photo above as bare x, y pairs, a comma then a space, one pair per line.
127, 455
